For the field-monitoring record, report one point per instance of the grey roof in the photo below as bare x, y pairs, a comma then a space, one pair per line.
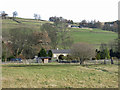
43, 57
60, 51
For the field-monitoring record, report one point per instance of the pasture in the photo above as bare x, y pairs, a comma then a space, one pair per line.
55, 75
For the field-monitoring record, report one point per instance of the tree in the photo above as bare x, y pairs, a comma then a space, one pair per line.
21, 40
103, 47
50, 54
111, 55
104, 52
98, 25
52, 32
42, 53
107, 53
64, 35
3, 14
37, 16
98, 55
6, 51
58, 34
15, 14
82, 51
114, 45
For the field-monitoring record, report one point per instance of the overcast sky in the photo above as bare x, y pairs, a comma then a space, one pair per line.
76, 10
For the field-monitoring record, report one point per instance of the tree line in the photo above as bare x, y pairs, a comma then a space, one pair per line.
108, 26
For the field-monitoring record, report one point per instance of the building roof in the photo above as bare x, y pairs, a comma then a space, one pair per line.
60, 51
43, 57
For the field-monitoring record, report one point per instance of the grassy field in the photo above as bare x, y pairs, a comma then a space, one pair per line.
55, 75
95, 36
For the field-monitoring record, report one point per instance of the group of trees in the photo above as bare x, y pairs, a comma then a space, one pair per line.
44, 53
24, 43
108, 51
4, 15
108, 26
103, 53
58, 19
37, 16
91, 24
111, 26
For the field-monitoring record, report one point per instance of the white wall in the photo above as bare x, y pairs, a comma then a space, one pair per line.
57, 55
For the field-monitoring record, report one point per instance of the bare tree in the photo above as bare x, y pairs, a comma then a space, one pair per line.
37, 16
82, 51
15, 14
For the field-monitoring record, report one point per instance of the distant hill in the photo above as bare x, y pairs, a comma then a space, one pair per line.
94, 36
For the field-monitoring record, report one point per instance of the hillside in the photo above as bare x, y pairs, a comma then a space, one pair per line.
94, 36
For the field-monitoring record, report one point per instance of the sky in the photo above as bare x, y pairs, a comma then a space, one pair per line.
76, 10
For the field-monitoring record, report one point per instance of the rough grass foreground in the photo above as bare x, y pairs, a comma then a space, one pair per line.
59, 76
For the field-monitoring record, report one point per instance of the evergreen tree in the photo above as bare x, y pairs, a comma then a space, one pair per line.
42, 53
50, 54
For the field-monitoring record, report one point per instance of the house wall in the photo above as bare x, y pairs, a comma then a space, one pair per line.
45, 60
58, 54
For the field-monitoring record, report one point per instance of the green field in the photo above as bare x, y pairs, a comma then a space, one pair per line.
95, 36
54, 75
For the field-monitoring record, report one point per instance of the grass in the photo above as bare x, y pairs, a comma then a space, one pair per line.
95, 36
54, 75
